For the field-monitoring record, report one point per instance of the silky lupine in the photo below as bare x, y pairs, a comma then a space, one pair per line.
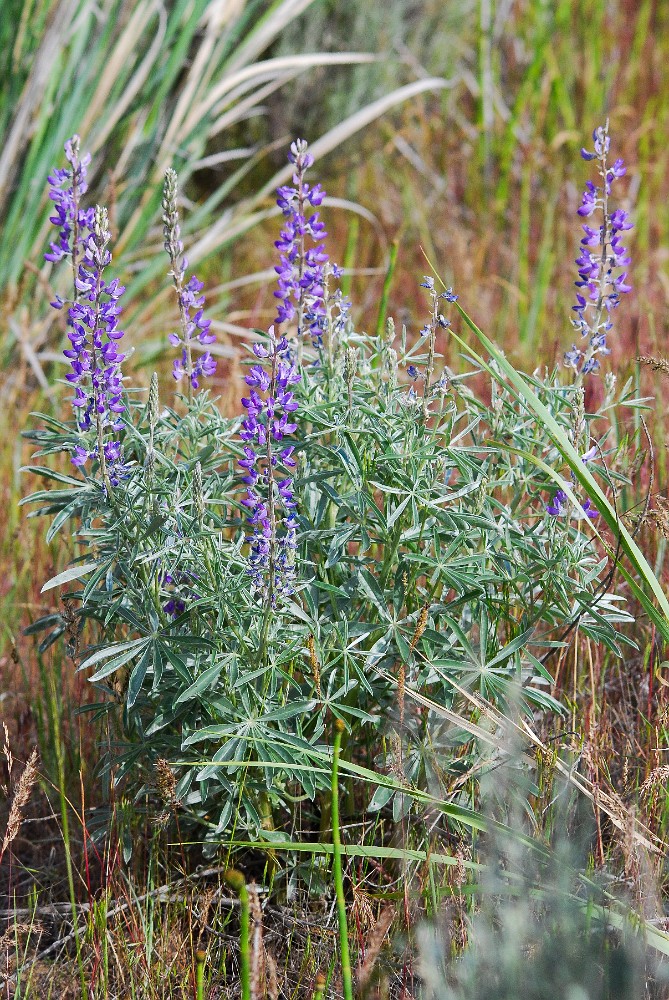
302, 269
193, 324
602, 261
429, 331
181, 590
338, 307
270, 500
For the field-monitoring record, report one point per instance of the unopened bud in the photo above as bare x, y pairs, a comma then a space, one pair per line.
152, 404
171, 232
234, 879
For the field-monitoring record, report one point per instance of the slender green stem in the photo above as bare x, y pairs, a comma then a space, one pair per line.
200, 957
347, 978
237, 882
429, 371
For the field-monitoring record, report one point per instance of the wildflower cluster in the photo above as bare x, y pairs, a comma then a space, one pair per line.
602, 259
193, 324
601, 279
92, 317
270, 497
301, 271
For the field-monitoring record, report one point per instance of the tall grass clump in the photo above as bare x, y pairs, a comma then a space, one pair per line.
347, 595
147, 85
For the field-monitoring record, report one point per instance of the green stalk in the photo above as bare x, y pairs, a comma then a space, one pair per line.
200, 956
347, 979
237, 883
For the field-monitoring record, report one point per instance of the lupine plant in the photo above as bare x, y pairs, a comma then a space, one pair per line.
368, 526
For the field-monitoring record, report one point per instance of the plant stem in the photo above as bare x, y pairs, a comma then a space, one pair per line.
237, 882
347, 979
200, 956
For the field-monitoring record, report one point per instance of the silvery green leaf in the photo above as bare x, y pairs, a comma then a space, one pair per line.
73, 573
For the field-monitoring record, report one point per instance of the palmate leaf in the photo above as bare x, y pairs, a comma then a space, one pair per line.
519, 386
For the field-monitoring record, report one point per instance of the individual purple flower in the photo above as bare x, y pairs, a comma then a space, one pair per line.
589, 201
572, 358
602, 261
194, 327
558, 505
270, 500
301, 271
591, 453
589, 510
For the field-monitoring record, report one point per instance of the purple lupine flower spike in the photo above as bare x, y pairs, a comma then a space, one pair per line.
599, 288
92, 317
270, 500
93, 354
67, 185
194, 327
302, 276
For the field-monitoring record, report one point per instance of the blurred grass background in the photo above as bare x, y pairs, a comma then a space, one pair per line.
453, 128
